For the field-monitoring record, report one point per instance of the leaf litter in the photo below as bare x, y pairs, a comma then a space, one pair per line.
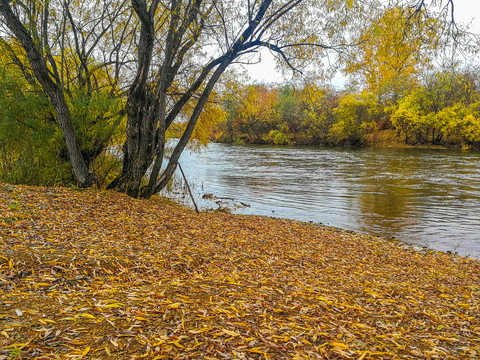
93, 275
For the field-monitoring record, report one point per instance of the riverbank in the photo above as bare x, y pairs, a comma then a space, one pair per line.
386, 138
94, 274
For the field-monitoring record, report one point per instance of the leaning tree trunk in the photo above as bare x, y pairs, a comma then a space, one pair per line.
80, 169
53, 91
182, 143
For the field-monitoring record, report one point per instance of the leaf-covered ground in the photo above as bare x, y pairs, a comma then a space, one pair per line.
98, 275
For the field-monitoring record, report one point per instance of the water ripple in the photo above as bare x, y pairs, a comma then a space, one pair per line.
428, 197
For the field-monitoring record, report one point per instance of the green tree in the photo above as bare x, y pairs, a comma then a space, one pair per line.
32, 139
59, 40
29, 136
317, 106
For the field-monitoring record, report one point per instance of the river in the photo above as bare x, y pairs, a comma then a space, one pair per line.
426, 197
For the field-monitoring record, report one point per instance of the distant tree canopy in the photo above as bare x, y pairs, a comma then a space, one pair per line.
443, 109
406, 85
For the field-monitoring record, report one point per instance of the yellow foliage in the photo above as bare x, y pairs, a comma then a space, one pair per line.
393, 49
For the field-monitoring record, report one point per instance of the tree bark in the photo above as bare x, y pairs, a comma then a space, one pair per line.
141, 109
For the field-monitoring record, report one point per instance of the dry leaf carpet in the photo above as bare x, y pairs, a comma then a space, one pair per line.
98, 275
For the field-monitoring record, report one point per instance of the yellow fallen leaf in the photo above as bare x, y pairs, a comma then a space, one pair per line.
85, 352
141, 318
231, 333
177, 344
200, 330
362, 356
174, 305
90, 316
115, 305
240, 323
257, 351
18, 345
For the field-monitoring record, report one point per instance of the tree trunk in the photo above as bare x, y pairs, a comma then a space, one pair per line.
147, 119
138, 143
141, 109
53, 91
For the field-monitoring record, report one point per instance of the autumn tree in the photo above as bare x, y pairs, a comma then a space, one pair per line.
233, 31
393, 49
355, 116
257, 115
54, 44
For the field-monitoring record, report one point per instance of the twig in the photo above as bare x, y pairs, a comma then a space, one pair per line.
188, 188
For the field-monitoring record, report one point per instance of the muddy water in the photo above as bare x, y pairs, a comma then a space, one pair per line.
426, 197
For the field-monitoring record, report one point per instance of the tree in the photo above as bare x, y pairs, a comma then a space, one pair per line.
355, 116
235, 30
393, 49
164, 42
317, 105
52, 89
165, 58
29, 137
289, 117
38, 32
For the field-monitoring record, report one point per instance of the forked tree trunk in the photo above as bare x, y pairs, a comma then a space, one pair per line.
141, 110
147, 119
138, 145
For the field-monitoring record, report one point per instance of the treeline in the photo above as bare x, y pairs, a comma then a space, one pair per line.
443, 110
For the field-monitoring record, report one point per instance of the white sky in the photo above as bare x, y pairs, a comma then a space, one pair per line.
465, 11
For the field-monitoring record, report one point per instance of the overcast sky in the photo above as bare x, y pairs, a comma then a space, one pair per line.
465, 11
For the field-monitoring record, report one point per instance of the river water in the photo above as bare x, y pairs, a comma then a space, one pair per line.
425, 197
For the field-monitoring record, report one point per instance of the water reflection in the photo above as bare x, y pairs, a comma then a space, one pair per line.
426, 197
